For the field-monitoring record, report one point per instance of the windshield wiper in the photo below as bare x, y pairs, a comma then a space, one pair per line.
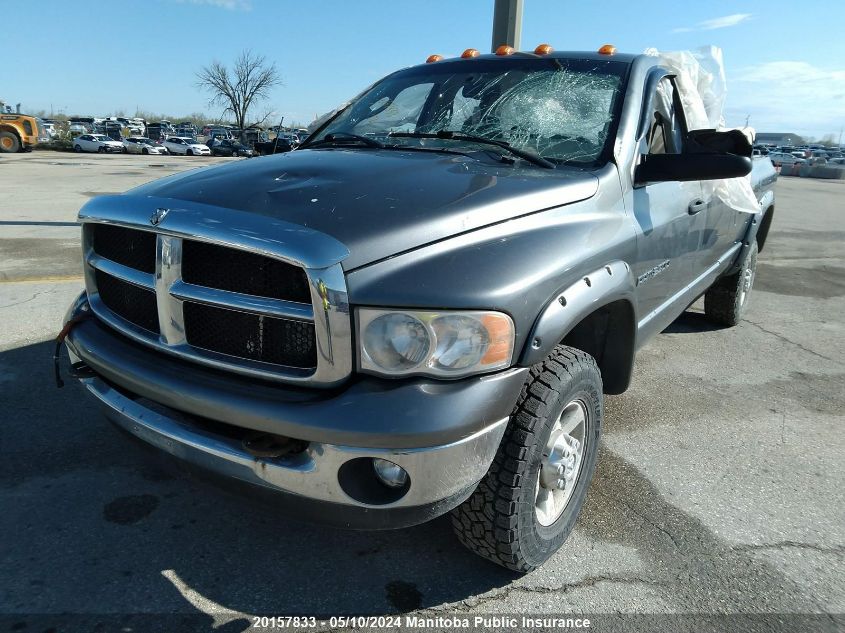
530, 156
336, 138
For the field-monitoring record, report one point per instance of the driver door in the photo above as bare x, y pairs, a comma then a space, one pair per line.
670, 216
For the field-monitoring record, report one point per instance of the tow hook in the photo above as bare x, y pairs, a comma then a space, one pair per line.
77, 370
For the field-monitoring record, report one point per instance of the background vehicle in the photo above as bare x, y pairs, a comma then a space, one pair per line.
20, 133
219, 133
160, 130
186, 146
433, 293
782, 158
96, 143
142, 145
278, 145
228, 147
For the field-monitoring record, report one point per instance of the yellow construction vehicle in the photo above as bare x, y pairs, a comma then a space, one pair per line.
20, 133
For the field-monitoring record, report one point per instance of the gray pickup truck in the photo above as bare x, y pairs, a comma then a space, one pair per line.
420, 310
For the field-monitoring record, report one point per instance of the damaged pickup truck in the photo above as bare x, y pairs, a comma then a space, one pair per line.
420, 310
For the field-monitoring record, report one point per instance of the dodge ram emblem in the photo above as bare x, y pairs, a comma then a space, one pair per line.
158, 216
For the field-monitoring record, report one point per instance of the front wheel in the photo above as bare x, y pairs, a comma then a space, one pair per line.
77, 149
727, 300
145, 151
526, 506
9, 143
190, 152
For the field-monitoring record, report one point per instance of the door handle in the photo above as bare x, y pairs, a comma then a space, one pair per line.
696, 205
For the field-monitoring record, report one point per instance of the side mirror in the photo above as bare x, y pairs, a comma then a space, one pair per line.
708, 155
685, 167
727, 141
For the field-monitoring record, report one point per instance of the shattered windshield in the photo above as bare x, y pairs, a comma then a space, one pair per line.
561, 110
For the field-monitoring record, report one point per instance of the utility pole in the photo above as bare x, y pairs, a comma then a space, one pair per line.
507, 23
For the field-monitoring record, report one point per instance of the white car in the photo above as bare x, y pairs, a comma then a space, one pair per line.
142, 145
185, 145
96, 143
782, 158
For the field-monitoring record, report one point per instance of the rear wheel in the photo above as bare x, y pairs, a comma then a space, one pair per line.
526, 506
727, 300
9, 143
77, 148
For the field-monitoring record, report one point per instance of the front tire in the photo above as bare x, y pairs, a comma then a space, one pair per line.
727, 300
9, 143
526, 506
77, 149
190, 152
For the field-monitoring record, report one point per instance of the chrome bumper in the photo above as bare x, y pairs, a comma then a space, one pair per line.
436, 473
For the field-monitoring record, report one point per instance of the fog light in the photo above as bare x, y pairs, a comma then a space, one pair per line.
390, 474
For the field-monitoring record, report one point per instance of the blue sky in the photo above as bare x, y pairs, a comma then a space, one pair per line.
785, 59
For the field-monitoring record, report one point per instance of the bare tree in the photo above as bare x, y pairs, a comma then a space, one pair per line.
248, 82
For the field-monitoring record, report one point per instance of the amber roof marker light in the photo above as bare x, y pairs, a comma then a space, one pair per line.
543, 49
607, 49
433, 58
470, 53
504, 49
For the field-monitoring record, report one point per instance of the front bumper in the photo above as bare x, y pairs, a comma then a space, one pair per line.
444, 435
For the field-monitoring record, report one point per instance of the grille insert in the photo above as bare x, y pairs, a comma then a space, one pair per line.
136, 249
126, 300
230, 269
251, 336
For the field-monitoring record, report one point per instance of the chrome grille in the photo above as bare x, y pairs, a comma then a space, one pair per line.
135, 304
217, 305
254, 336
223, 268
135, 249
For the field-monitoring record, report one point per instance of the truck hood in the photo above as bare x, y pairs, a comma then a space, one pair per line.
378, 202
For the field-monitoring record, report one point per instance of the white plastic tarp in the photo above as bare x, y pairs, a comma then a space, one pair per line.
700, 77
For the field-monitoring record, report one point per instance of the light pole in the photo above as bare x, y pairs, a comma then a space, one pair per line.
507, 23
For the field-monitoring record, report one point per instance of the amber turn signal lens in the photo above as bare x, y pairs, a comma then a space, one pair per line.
543, 49
607, 49
433, 58
504, 49
500, 330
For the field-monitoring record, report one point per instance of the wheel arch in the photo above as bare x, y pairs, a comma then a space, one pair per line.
596, 315
765, 225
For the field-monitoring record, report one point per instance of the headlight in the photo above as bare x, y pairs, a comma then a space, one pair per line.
443, 344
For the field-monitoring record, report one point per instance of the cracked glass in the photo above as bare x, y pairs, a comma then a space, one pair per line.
564, 111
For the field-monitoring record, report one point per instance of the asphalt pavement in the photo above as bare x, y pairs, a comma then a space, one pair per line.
720, 486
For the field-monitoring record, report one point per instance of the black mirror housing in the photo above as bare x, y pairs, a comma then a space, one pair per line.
686, 167
708, 155
722, 142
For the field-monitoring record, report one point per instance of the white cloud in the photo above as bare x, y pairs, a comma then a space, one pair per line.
725, 21
788, 96
231, 5
716, 23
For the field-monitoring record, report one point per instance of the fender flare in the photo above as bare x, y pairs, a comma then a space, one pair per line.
567, 308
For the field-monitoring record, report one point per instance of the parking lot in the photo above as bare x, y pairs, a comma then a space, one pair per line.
720, 486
